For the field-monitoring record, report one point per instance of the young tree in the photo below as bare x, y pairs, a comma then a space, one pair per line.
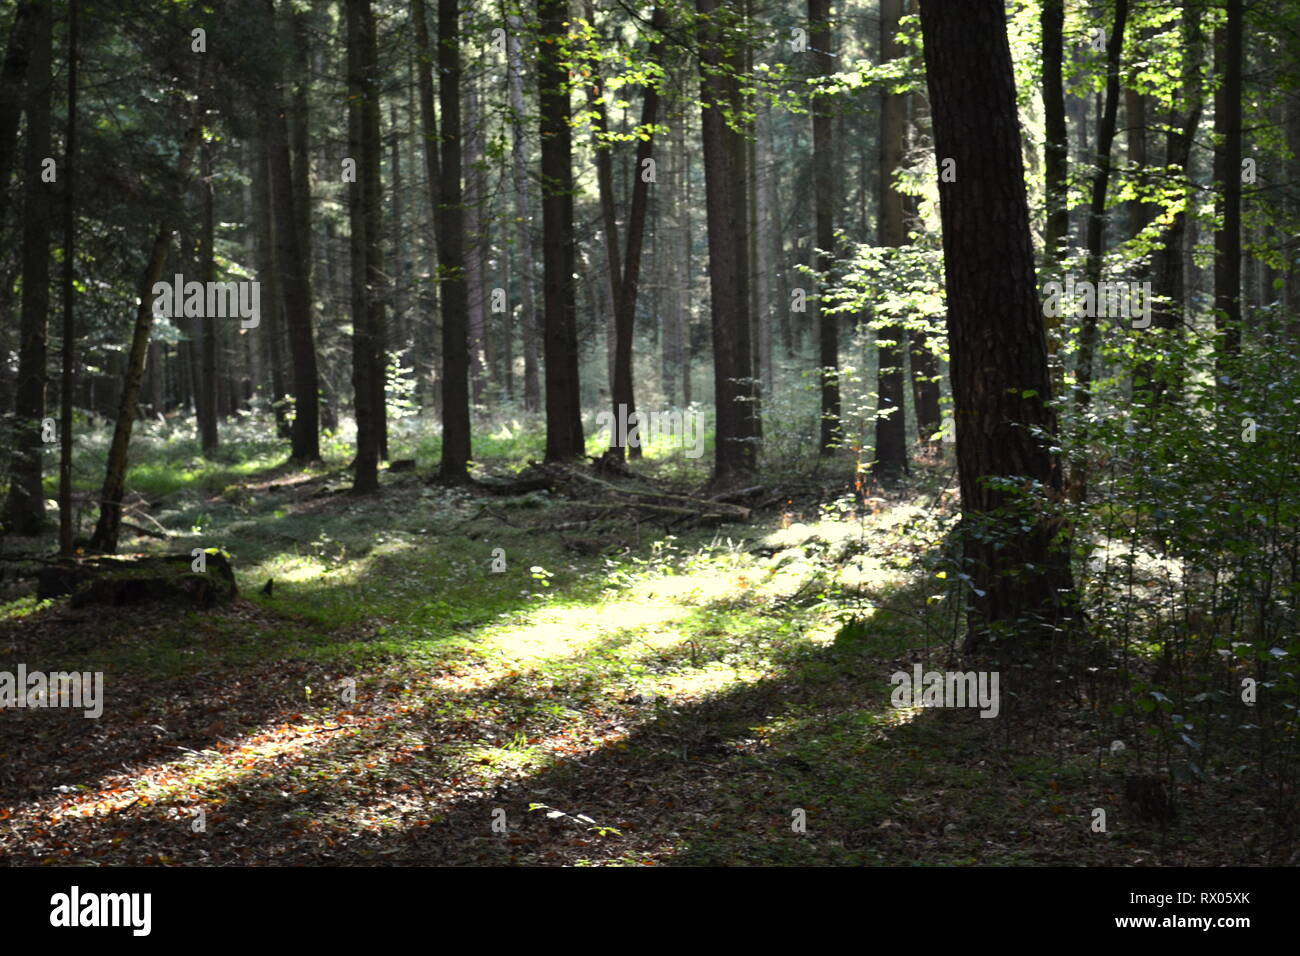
109, 524
1000, 382
828, 347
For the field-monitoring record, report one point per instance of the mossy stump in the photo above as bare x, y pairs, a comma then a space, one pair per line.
118, 581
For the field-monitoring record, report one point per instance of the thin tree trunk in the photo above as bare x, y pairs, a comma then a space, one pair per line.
68, 345
891, 422
1096, 246
110, 496
203, 330
827, 322
13, 77
25, 507
1227, 173
432, 169
924, 363
475, 200
527, 248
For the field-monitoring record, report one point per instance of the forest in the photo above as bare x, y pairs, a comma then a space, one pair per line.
685, 433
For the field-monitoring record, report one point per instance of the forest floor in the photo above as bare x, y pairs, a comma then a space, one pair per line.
615, 696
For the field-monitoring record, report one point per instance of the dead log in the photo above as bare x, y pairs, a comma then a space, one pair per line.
116, 581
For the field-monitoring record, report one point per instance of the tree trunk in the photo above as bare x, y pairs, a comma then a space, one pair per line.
891, 422
432, 169
475, 201
827, 323
13, 76
295, 291
563, 399
736, 449
1056, 146
527, 248
68, 345
924, 363
1096, 246
1227, 173
763, 263
25, 507
203, 330
454, 467
273, 334
360, 26
1020, 577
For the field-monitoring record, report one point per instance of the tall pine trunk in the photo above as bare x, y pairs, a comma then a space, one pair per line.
1020, 577
69, 338
736, 449
360, 36
294, 288
563, 399
25, 507
454, 466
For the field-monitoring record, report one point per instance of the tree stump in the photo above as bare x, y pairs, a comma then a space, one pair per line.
118, 581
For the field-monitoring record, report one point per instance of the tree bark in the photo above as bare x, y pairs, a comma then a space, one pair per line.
432, 163
294, 288
360, 25
202, 328
564, 438
68, 345
454, 466
1020, 576
736, 449
527, 247
13, 76
1227, 173
827, 323
25, 507
891, 423
1096, 247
